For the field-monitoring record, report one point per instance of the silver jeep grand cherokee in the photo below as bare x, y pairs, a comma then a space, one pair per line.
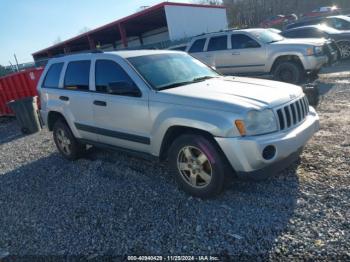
168, 105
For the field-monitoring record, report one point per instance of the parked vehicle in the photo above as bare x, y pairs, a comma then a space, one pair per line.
260, 51
272, 21
323, 11
340, 22
168, 105
340, 39
278, 20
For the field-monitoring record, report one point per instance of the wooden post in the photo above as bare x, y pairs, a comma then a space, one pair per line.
123, 35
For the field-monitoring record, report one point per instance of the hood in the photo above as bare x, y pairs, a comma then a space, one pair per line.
232, 93
301, 41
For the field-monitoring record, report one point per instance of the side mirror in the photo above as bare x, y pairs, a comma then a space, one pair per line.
123, 88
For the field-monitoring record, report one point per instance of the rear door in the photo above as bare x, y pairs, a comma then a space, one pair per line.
247, 55
218, 53
121, 120
76, 98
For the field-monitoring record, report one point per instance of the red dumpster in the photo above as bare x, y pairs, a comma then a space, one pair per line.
16, 86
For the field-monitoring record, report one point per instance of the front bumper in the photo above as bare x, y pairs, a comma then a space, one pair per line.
313, 63
333, 57
245, 154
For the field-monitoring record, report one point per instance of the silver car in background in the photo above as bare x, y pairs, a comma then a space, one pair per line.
260, 52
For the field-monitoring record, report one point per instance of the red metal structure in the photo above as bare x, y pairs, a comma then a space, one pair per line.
16, 86
133, 25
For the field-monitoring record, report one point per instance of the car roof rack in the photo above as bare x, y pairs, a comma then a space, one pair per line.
94, 51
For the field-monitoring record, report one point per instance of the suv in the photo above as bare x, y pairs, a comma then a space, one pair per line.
259, 51
169, 105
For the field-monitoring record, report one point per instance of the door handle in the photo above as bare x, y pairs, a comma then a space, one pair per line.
236, 53
64, 98
100, 103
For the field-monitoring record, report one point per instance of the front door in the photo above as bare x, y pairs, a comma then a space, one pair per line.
121, 118
247, 56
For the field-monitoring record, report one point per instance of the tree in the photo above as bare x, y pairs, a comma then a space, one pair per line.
209, 2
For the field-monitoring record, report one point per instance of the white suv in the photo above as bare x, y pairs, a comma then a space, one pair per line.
168, 105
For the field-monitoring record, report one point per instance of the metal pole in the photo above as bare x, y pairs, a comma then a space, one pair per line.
12, 67
16, 61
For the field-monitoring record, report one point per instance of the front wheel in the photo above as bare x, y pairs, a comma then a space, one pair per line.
65, 141
198, 165
289, 72
344, 48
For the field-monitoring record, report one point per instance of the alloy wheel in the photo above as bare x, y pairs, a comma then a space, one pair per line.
63, 141
194, 167
344, 49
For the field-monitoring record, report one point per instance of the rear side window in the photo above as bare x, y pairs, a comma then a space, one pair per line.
197, 46
77, 75
217, 43
108, 72
240, 41
53, 76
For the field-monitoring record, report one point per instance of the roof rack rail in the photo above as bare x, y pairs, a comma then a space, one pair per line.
94, 51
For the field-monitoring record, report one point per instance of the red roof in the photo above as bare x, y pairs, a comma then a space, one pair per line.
113, 24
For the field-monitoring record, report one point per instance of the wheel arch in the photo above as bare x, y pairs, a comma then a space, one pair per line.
176, 131
286, 58
53, 117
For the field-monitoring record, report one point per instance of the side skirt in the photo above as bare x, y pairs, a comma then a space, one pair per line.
130, 152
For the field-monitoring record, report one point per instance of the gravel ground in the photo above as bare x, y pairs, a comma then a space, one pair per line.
112, 204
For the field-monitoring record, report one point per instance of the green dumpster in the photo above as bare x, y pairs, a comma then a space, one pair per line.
26, 111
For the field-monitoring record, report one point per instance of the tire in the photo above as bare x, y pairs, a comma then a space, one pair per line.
344, 48
313, 95
65, 141
289, 72
206, 171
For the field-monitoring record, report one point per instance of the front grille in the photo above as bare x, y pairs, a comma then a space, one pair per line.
293, 113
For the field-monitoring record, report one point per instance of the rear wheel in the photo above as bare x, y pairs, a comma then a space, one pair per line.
197, 165
289, 72
65, 141
344, 48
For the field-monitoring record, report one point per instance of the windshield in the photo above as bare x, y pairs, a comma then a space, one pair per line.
170, 70
267, 36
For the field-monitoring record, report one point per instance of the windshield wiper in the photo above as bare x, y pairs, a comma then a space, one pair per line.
203, 78
174, 85
194, 80
273, 41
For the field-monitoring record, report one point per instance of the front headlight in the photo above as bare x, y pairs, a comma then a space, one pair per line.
258, 123
318, 50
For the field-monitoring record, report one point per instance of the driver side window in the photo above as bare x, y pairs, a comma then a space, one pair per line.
240, 41
107, 73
